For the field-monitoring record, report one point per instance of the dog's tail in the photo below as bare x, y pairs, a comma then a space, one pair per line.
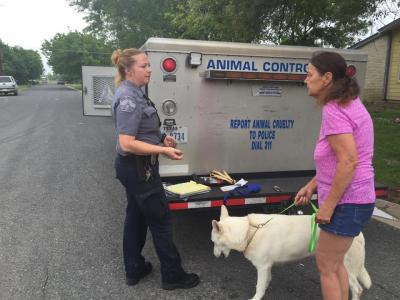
364, 278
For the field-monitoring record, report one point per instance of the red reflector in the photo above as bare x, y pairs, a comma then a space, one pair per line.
233, 75
219, 74
169, 65
178, 206
277, 199
351, 71
381, 193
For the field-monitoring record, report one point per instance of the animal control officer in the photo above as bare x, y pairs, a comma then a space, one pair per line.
139, 143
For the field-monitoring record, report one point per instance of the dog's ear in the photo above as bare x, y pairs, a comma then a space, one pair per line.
216, 226
224, 212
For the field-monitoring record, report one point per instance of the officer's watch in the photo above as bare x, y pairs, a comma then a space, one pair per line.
163, 136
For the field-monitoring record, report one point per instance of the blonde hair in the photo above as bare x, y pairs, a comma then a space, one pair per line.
122, 60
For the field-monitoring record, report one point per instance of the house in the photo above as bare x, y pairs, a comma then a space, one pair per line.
382, 80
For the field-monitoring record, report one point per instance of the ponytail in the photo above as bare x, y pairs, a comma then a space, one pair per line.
344, 90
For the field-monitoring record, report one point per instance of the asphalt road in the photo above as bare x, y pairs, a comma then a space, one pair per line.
61, 217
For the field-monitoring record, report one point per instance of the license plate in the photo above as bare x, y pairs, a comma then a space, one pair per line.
179, 133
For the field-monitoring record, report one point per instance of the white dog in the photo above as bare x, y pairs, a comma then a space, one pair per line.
282, 239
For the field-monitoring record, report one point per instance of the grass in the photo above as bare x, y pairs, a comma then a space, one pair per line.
76, 86
386, 118
22, 87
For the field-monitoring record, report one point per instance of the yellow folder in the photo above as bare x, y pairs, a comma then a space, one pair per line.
187, 189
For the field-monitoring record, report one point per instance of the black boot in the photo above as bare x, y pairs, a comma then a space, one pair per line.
186, 281
134, 279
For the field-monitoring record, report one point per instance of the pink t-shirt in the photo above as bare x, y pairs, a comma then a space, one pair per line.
336, 119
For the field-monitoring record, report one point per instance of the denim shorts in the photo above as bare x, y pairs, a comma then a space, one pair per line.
349, 219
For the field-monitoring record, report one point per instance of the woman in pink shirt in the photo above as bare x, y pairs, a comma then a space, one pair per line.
344, 172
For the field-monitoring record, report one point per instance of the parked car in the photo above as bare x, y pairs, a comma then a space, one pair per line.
8, 85
60, 82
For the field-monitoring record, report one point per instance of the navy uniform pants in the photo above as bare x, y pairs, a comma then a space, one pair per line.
147, 207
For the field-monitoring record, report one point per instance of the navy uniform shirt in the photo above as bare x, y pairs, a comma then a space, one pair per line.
134, 115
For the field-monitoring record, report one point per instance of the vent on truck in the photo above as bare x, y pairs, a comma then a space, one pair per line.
103, 90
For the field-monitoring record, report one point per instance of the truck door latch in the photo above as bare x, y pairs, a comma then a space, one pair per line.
277, 188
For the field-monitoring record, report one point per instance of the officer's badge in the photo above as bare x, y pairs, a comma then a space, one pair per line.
127, 104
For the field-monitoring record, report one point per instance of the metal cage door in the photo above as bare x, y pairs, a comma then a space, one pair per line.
98, 90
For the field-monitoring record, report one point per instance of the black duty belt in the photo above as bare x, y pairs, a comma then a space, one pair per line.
145, 164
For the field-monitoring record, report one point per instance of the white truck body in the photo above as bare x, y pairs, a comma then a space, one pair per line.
240, 107
239, 125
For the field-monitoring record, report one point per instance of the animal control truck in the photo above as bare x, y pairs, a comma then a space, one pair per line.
237, 107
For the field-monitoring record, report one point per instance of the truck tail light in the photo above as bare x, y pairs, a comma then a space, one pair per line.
351, 71
169, 64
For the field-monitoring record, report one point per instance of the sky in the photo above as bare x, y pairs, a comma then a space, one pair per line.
28, 23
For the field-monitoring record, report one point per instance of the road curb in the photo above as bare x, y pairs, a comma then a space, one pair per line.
393, 209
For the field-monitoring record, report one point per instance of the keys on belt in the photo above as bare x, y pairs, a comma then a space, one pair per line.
149, 167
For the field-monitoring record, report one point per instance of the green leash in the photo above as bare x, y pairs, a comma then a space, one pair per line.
313, 239
290, 206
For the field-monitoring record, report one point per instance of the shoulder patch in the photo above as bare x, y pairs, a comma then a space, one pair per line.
127, 104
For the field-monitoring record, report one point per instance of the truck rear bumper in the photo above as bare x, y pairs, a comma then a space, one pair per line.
267, 195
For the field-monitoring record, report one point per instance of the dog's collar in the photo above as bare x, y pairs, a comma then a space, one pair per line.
258, 226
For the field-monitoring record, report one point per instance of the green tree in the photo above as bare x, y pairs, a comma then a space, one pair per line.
2, 50
14, 64
33, 63
222, 20
324, 22
24, 65
127, 23
291, 22
67, 53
